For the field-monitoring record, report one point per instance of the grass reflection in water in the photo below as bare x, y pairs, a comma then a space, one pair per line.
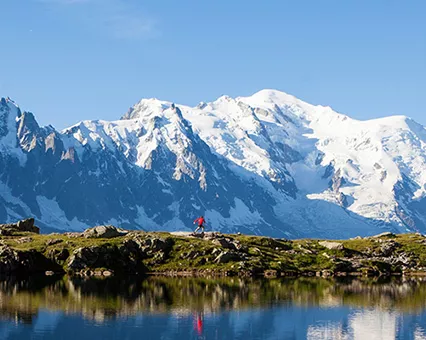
103, 299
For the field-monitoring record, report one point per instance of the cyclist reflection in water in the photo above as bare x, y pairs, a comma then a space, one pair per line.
198, 324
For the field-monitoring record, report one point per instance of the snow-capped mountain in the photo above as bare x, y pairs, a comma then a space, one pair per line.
266, 164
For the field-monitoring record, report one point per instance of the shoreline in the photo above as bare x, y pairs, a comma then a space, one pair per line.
109, 251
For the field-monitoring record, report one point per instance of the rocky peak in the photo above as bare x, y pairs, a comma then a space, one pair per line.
147, 108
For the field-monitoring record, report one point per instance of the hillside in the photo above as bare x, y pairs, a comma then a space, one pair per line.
106, 251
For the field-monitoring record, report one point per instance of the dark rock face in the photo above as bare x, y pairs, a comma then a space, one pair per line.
151, 246
21, 226
225, 243
126, 257
110, 257
389, 247
58, 256
28, 225
23, 262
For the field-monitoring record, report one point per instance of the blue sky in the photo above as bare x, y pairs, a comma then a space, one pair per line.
68, 60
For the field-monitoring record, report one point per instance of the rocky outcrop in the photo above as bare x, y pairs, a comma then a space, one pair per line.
227, 256
385, 234
104, 231
21, 226
14, 261
100, 251
85, 260
332, 245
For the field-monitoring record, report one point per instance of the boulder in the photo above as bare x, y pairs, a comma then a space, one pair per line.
227, 256
24, 240
21, 226
224, 243
28, 225
73, 234
150, 245
389, 247
117, 259
20, 262
332, 245
192, 254
155, 244
385, 234
103, 231
53, 241
58, 256
83, 258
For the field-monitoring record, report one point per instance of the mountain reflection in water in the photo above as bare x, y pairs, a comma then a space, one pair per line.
231, 308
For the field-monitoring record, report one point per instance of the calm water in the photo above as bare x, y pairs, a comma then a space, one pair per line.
164, 308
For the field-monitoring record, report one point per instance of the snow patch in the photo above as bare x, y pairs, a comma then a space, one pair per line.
53, 215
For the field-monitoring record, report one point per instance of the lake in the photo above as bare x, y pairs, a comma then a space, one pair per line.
226, 308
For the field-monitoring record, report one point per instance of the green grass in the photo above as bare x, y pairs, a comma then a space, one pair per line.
262, 253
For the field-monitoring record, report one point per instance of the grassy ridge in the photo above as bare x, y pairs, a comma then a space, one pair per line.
248, 255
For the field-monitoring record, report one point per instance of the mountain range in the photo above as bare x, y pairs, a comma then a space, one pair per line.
267, 164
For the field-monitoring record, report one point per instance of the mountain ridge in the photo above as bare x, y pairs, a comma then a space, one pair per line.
265, 164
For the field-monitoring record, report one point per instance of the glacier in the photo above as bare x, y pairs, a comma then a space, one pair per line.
267, 164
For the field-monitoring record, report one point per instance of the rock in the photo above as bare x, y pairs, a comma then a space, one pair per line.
22, 262
53, 241
212, 235
103, 231
148, 247
73, 234
274, 243
119, 259
28, 225
197, 235
343, 265
158, 244
5, 231
215, 251
389, 247
192, 254
83, 258
227, 256
304, 250
159, 257
201, 261
224, 243
271, 273
385, 234
256, 250
58, 255
332, 245
21, 226
403, 260
356, 238
24, 240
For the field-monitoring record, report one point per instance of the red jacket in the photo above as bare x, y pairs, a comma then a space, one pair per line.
200, 221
